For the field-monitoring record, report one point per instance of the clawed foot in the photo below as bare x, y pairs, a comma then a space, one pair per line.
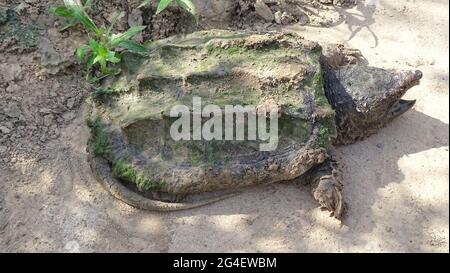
328, 192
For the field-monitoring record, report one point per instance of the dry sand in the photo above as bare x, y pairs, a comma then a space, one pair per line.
396, 183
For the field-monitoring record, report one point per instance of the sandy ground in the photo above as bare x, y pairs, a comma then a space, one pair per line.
396, 183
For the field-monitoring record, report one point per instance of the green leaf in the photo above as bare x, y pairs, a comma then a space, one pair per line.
98, 48
82, 53
114, 60
80, 14
97, 59
94, 45
112, 57
89, 66
61, 11
90, 63
117, 39
145, 3
188, 6
163, 4
134, 47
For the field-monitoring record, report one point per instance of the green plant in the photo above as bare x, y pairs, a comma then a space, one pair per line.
102, 48
64, 12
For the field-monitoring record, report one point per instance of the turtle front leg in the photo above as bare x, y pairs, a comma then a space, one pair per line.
326, 187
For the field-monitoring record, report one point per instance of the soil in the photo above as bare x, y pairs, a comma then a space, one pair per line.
396, 182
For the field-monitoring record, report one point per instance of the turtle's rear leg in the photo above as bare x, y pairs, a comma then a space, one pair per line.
326, 187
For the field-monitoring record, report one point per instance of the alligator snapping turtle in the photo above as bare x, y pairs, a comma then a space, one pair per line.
322, 98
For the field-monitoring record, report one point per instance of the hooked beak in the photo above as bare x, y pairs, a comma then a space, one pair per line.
402, 106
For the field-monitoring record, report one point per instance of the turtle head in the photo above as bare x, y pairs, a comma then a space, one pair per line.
366, 98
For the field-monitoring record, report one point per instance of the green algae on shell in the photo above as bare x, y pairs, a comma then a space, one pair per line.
222, 68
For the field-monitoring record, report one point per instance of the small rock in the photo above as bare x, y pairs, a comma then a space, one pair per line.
4, 130
9, 125
216, 11
303, 19
70, 103
13, 88
287, 18
3, 149
264, 11
283, 18
11, 72
48, 120
45, 111
278, 15
68, 116
273, 167
12, 110
22, 8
